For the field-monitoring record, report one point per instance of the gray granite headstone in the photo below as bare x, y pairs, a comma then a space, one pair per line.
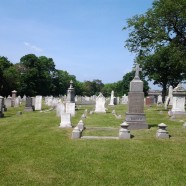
135, 115
28, 104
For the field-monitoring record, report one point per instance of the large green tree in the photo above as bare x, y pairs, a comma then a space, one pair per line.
163, 25
37, 74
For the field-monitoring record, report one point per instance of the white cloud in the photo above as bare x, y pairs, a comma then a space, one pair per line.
33, 47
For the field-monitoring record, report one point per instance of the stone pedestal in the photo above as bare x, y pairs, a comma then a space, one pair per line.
135, 115
124, 133
162, 131
76, 133
80, 125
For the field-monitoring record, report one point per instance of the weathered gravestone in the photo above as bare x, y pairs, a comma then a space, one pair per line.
135, 116
1, 106
28, 104
8, 102
100, 104
178, 105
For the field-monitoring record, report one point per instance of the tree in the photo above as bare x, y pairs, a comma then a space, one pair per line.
61, 83
8, 76
164, 25
162, 68
36, 75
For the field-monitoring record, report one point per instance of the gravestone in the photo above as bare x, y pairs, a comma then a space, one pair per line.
38, 102
149, 101
1, 106
70, 94
170, 94
112, 98
124, 99
28, 104
178, 105
135, 115
70, 108
65, 121
159, 101
100, 104
60, 108
14, 93
8, 102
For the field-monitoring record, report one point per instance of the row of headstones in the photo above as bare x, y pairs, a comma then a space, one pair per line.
124, 133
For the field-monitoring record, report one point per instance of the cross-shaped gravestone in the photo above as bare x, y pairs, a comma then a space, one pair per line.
138, 69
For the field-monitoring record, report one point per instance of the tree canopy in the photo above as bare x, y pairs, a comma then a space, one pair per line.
158, 37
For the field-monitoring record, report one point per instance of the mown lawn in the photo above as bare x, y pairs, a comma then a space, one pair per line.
35, 151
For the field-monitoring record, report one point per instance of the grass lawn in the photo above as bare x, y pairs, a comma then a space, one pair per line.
35, 151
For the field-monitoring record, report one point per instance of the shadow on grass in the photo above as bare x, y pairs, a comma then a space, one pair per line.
153, 125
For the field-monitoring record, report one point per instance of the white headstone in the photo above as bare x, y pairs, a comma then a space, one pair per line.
112, 98
65, 120
60, 108
100, 104
70, 108
38, 103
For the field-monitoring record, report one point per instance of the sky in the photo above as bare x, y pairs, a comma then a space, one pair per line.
84, 37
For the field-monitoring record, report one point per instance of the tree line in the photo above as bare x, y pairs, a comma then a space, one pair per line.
34, 75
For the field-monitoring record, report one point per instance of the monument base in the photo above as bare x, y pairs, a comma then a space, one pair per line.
28, 109
136, 121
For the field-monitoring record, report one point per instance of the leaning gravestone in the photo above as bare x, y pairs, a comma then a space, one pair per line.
28, 104
100, 104
135, 116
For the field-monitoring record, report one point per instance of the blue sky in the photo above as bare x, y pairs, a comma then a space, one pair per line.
84, 37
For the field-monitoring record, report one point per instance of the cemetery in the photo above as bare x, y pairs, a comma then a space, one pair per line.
61, 141
121, 122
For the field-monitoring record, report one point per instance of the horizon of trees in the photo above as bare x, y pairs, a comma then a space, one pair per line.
34, 75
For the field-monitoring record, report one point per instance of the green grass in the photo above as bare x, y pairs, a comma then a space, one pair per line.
35, 151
